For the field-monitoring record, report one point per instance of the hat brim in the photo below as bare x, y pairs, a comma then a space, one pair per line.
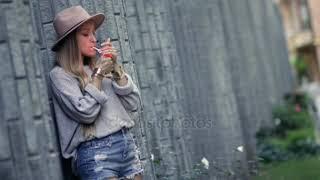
97, 19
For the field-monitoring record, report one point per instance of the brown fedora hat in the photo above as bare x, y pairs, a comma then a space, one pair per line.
70, 19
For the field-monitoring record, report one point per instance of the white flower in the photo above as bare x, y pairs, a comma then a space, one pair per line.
240, 148
205, 162
152, 157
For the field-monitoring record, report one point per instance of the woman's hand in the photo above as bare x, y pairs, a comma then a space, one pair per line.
108, 51
102, 67
106, 66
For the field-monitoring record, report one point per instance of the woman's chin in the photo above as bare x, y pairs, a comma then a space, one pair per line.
91, 55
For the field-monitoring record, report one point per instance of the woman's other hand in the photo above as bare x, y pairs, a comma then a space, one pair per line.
109, 51
105, 66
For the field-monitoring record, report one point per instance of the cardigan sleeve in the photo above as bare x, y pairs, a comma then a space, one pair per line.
128, 94
83, 107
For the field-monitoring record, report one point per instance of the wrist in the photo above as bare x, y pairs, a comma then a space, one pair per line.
122, 81
97, 73
123, 76
118, 72
97, 77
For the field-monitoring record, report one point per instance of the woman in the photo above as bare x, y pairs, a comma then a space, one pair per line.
91, 101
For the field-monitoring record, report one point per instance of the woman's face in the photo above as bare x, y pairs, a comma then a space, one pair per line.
86, 39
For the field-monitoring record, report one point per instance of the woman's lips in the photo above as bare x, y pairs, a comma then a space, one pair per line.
92, 49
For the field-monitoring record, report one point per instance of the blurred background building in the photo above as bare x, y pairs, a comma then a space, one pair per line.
301, 21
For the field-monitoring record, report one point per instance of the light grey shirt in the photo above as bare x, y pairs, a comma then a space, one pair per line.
107, 109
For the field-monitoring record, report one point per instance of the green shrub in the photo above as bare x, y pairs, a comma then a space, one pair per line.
304, 147
301, 98
269, 152
300, 67
300, 134
292, 135
290, 117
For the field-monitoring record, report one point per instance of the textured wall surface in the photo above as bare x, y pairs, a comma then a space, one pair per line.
209, 72
28, 143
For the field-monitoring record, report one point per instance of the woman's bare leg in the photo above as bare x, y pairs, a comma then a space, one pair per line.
138, 177
113, 178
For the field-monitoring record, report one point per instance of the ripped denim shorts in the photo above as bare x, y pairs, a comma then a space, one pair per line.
115, 155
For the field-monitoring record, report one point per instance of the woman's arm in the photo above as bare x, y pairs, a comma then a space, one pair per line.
128, 93
82, 107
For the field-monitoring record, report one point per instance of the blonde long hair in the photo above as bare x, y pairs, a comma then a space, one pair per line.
69, 58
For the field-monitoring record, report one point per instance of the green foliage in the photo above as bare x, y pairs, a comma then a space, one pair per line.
292, 135
289, 117
269, 152
303, 99
304, 147
300, 66
300, 135
292, 114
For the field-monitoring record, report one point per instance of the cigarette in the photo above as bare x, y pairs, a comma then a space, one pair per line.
99, 50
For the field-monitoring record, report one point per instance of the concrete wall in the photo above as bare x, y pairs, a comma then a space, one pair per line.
209, 73
28, 143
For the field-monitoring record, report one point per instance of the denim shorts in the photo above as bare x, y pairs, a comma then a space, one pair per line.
115, 155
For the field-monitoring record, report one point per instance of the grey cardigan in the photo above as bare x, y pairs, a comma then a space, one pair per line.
106, 108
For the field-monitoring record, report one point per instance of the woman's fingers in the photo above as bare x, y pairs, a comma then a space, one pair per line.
112, 52
107, 61
108, 43
109, 51
107, 48
107, 64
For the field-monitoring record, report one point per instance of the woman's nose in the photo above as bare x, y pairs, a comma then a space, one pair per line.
93, 37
